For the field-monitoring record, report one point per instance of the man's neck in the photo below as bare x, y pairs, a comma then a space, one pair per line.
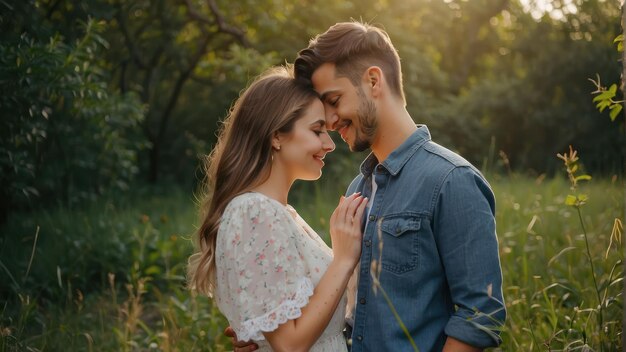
393, 130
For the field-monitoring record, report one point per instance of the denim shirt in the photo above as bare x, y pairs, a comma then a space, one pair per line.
433, 219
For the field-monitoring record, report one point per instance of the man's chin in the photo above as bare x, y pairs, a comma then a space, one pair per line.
360, 146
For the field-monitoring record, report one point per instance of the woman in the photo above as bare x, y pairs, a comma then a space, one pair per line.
271, 275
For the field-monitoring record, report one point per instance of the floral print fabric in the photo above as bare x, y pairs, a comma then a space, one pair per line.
268, 262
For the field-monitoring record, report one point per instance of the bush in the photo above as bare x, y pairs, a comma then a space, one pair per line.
63, 135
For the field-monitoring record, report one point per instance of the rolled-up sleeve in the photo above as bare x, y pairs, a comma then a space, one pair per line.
465, 232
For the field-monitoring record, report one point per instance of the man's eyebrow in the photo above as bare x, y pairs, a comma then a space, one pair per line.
326, 94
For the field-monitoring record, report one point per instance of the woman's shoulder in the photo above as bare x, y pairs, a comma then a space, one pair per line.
253, 199
253, 214
254, 204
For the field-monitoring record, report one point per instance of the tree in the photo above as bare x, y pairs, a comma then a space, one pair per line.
64, 135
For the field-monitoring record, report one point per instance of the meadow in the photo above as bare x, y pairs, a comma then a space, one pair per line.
109, 275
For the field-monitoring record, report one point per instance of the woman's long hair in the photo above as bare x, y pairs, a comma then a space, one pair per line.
242, 158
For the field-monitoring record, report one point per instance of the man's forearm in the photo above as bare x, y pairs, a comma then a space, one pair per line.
454, 345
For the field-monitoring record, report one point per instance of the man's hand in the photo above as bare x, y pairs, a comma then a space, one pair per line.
240, 346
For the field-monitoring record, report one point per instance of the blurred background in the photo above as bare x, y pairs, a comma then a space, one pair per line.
108, 105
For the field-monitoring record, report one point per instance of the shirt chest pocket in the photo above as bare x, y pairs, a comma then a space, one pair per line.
400, 243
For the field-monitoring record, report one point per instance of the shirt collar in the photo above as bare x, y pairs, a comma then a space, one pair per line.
396, 160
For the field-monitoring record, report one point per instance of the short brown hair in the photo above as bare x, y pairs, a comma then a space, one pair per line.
352, 47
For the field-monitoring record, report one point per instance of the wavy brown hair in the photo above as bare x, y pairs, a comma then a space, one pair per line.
242, 157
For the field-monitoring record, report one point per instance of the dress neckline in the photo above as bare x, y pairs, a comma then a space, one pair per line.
291, 209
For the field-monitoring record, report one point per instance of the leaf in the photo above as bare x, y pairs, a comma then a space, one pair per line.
598, 98
565, 250
153, 270
620, 42
583, 178
570, 200
59, 281
613, 89
603, 105
606, 95
615, 110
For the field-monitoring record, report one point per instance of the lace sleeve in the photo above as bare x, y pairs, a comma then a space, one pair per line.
261, 275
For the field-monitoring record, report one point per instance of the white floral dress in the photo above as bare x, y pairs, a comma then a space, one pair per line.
268, 262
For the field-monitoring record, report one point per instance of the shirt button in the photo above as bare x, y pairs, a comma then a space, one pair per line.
368, 243
360, 338
362, 301
372, 217
379, 167
398, 230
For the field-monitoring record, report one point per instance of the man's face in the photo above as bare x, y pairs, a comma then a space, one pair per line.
348, 110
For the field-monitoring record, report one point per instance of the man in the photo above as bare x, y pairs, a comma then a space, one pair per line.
429, 236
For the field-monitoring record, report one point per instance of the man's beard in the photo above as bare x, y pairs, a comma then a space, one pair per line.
366, 115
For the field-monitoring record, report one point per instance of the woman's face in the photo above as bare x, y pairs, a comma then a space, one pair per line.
303, 149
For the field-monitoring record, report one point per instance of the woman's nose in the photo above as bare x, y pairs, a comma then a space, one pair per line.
327, 143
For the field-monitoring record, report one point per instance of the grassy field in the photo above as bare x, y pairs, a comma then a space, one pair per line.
109, 276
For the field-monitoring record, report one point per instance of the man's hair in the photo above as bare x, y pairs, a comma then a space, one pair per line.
352, 47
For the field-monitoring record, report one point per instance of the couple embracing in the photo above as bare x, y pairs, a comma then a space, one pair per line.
418, 218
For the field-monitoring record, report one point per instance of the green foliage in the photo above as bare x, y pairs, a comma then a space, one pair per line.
472, 69
108, 277
552, 302
619, 41
89, 89
64, 134
142, 239
605, 99
570, 161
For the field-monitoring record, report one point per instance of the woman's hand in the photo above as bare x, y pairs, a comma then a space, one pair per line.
345, 228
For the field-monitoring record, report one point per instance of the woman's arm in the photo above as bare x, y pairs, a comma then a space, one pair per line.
345, 230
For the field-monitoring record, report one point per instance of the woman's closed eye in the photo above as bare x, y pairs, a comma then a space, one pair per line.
320, 131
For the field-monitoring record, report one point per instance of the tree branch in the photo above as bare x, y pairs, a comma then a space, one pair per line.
219, 20
197, 15
184, 76
226, 28
130, 43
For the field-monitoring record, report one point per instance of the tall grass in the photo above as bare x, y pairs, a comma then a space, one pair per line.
109, 276
105, 277
550, 293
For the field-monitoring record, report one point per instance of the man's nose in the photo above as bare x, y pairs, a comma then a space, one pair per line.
331, 119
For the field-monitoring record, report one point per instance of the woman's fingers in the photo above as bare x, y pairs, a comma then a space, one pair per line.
358, 215
345, 216
351, 210
347, 202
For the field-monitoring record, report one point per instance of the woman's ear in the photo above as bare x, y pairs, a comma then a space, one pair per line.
276, 141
